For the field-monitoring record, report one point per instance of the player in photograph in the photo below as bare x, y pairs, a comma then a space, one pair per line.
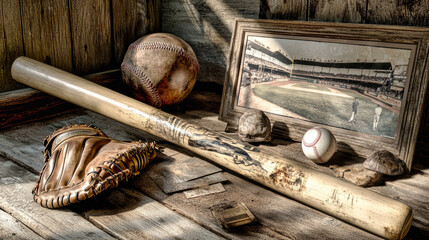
355, 105
377, 113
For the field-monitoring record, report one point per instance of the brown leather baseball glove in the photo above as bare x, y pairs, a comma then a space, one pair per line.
81, 161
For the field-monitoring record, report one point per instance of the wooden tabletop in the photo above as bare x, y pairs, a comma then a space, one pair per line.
140, 209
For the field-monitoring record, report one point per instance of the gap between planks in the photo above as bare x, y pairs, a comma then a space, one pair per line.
128, 214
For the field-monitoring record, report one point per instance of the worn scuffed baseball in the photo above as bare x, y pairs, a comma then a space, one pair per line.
254, 126
161, 69
319, 144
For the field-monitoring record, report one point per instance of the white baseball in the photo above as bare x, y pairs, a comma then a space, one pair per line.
319, 144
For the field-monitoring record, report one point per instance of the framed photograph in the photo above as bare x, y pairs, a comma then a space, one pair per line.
365, 83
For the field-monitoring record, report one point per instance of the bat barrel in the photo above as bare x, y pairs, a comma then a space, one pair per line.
363, 208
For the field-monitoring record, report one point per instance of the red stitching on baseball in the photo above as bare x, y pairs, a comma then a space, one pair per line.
147, 83
311, 144
166, 46
317, 154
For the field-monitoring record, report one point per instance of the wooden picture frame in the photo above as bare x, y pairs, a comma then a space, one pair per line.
306, 74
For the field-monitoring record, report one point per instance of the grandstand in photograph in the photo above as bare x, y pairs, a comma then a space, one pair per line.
339, 85
263, 65
377, 79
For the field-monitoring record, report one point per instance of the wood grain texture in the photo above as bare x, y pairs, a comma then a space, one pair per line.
11, 44
412, 189
275, 213
14, 143
398, 12
10, 228
16, 199
152, 18
128, 214
28, 105
125, 213
352, 11
91, 35
207, 26
281, 9
46, 32
128, 25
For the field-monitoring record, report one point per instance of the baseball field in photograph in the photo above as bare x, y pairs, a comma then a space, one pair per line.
329, 106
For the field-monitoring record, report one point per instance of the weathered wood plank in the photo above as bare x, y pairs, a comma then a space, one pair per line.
207, 26
11, 45
411, 189
153, 15
274, 223
283, 9
181, 172
417, 182
12, 173
17, 200
56, 30
205, 119
128, 214
353, 11
395, 12
279, 217
198, 211
31, 28
29, 105
25, 144
131, 20
125, 20
128, 25
10, 228
91, 35
418, 203
46, 32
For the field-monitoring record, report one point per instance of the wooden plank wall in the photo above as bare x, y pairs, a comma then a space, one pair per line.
78, 36
392, 12
207, 26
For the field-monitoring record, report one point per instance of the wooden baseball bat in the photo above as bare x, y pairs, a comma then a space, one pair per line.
368, 210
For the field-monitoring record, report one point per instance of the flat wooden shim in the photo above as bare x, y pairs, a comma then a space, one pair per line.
373, 212
204, 191
232, 214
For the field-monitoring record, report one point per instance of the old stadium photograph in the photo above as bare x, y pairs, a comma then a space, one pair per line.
350, 86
